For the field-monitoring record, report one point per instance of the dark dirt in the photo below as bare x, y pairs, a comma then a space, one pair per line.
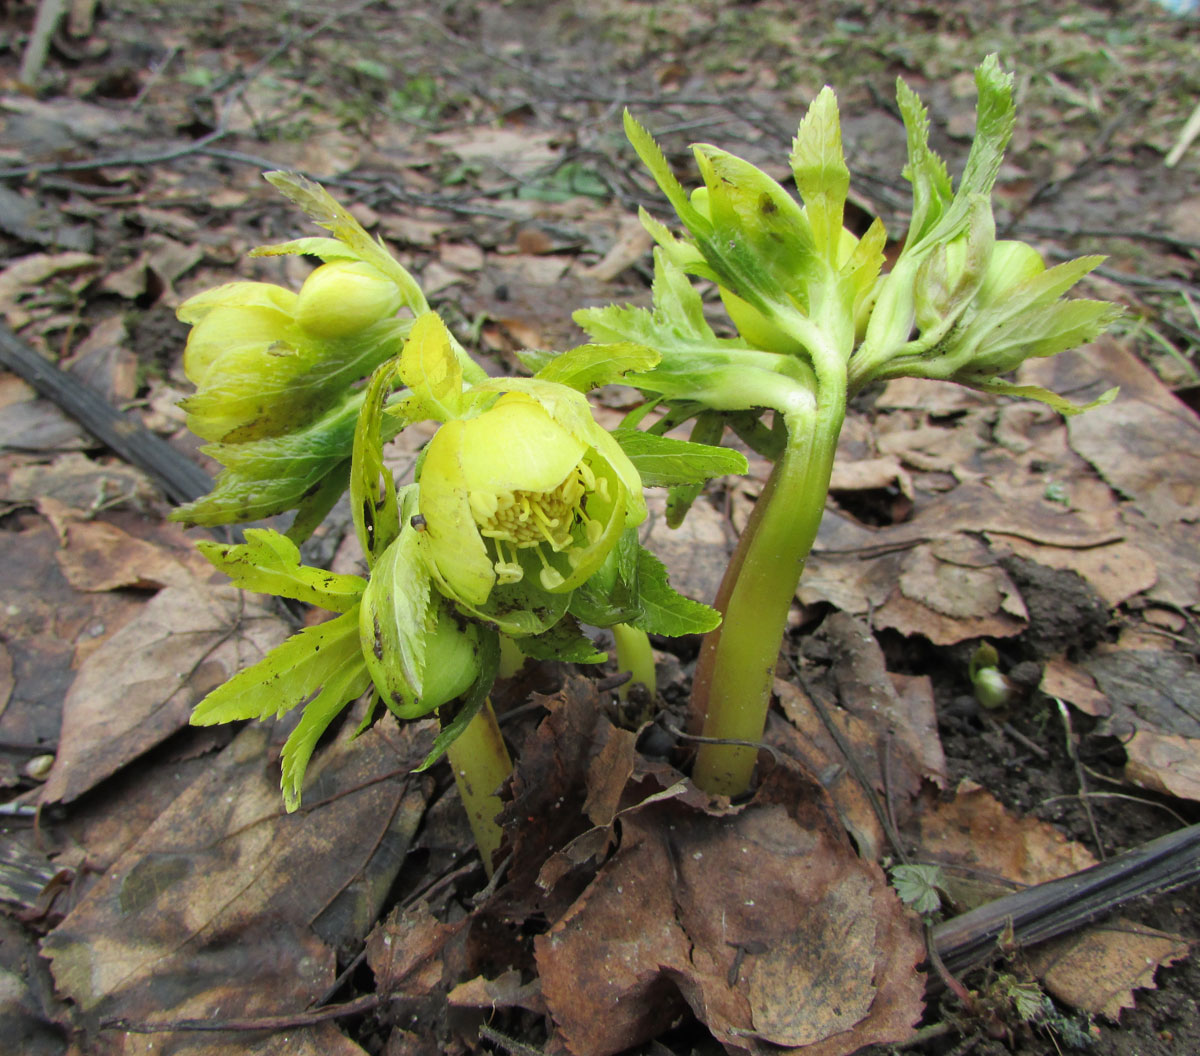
351, 93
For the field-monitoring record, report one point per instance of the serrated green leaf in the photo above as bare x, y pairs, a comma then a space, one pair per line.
270, 563
662, 461
917, 886
429, 367
938, 217
589, 366
1042, 332
999, 387
314, 507
372, 488
342, 686
708, 429
820, 171
663, 609
267, 477
761, 246
288, 675
565, 642
394, 621
926, 171
653, 158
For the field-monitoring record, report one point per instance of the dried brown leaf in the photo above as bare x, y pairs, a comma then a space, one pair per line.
1146, 443
754, 920
992, 849
952, 590
215, 912
141, 686
1099, 969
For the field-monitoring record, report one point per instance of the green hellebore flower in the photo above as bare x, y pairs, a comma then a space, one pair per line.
266, 361
531, 487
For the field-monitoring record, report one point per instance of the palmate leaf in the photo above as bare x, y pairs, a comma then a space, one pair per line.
270, 563
288, 675
323, 665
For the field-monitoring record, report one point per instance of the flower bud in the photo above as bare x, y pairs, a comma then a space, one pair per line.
232, 323
343, 297
1012, 263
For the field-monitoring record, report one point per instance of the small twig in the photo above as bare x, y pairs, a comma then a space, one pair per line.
949, 981
1073, 754
178, 476
856, 767
49, 13
1018, 736
675, 731
117, 161
1118, 795
336, 985
282, 1022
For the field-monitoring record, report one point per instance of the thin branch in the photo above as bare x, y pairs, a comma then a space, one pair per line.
1057, 907
178, 475
282, 1022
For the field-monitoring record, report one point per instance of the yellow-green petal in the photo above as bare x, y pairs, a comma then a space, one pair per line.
237, 295
248, 331
454, 541
516, 446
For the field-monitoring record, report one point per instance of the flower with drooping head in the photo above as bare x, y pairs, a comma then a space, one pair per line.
530, 490
266, 361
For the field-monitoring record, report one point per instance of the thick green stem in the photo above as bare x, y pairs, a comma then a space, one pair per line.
481, 763
740, 668
635, 655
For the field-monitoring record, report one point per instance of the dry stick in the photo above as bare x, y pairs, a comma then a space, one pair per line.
178, 475
1051, 909
49, 13
285, 1022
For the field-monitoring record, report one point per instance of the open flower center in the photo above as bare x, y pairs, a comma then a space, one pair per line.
518, 519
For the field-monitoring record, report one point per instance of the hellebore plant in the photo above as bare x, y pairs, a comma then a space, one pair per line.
818, 321
521, 526
522, 521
